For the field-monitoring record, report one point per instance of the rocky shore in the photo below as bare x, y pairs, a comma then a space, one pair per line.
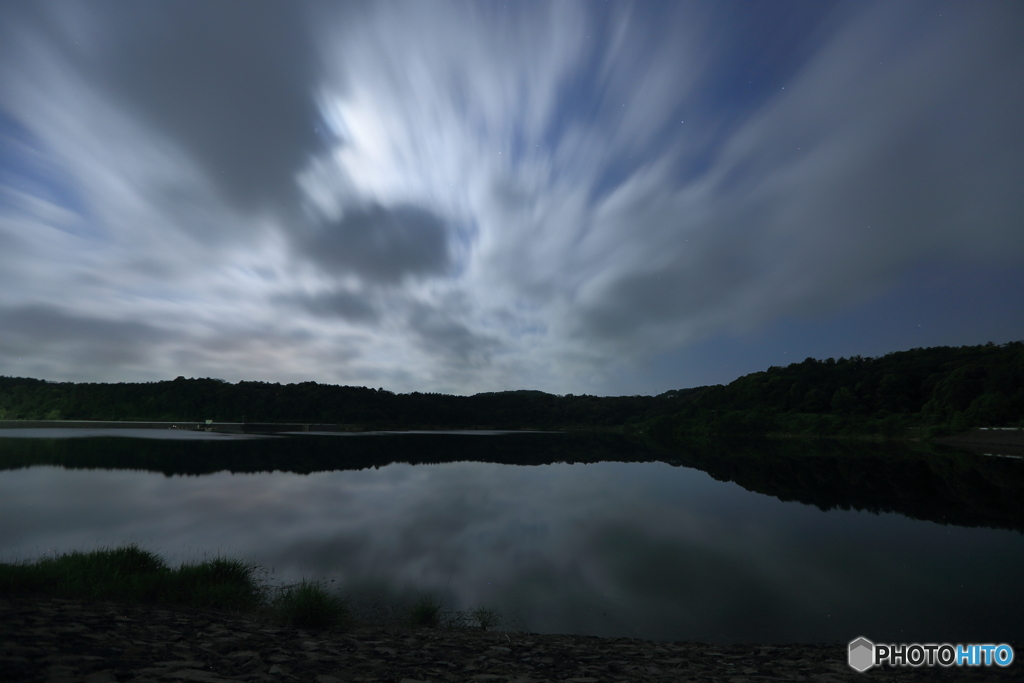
60, 641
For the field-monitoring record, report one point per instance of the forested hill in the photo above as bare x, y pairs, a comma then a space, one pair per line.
933, 391
926, 392
196, 400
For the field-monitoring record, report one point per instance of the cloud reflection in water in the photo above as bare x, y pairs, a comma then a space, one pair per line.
635, 549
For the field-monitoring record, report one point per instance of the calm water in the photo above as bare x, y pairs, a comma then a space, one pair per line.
643, 549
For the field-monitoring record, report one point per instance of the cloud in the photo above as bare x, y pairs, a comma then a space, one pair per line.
381, 244
446, 337
468, 196
340, 304
233, 87
892, 144
48, 330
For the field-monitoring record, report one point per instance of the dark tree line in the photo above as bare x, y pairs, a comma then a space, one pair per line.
196, 400
929, 392
934, 390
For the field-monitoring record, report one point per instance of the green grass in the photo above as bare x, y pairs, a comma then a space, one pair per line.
308, 605
134, 575
425, 612
131, 574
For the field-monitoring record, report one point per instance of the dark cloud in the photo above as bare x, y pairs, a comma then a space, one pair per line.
663, 297
445, 337
353, 307
49, 330
233, 83
383, 245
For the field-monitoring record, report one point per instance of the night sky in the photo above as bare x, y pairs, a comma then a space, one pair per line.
605, 198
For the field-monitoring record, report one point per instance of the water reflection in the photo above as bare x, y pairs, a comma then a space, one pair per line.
928, 483
644, 549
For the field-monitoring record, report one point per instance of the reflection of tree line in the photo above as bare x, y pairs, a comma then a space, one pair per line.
938, 485
306, 454
926, 483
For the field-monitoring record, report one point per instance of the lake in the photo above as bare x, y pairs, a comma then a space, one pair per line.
597, 534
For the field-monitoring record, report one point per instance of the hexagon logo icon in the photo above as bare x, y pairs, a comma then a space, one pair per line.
862, 654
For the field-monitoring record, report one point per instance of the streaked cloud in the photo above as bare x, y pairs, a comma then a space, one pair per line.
466, 197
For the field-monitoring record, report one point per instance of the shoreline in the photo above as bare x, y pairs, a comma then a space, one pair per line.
1008, 442
283, 428
46, 639
106, 621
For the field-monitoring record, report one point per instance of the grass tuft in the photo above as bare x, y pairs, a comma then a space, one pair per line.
308, 605
119, 573
485, 617
220, 583
425, 612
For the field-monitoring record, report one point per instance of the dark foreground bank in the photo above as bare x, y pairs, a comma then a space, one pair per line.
123, 615
55, 640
